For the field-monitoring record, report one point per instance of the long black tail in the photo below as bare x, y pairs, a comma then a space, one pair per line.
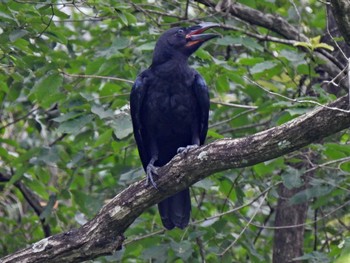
176, 210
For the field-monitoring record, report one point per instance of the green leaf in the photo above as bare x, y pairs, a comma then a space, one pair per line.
324, 46
147, 46
67, 116
214, 134
121, 123
76, 125
4, 87
309, 193
291, 178
47, 87
104, 138
158, 252
100, 112
303, 44
131, 18
45, 214
113, 51
314, 257
123, 18
38, 188
49, 155
87, 203
14, 35
345, 251
203, 54
182, 249
260, 67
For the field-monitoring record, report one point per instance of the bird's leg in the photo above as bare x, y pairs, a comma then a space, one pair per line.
185, 150
150, 171
195, 144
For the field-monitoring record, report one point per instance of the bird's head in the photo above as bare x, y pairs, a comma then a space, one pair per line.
181, 42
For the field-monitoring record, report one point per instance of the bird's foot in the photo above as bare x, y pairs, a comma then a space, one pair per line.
185, 150
151, 170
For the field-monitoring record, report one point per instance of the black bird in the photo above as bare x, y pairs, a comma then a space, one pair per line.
169, 105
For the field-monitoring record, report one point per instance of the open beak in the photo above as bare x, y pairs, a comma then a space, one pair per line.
195, 36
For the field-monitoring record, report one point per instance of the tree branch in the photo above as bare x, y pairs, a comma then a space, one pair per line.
280, 26
32, 200
104, 234
341, 11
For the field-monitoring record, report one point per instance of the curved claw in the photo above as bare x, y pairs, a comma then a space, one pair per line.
150, 171
185, 150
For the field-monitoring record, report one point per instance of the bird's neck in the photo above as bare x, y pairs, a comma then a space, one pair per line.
172, 68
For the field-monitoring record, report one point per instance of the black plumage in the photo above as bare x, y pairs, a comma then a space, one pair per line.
169, 107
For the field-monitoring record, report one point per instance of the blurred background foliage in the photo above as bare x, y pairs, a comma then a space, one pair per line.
66, 70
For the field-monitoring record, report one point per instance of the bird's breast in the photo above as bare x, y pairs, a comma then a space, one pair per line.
173, 105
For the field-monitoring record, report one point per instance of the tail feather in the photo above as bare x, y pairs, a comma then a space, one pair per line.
175, 211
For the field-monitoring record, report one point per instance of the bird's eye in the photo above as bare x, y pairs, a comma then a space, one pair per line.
180, 32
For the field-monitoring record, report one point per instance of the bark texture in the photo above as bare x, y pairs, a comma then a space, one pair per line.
341, 11
104, 234
289, 242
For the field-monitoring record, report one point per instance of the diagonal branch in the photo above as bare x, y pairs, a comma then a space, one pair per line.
279, 26
104, 234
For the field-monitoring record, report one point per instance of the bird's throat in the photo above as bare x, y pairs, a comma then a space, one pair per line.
171, 69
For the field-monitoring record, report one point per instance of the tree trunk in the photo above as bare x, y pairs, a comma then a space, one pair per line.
289, 242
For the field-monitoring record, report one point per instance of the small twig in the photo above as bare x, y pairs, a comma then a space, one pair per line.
145, 11
58, 139
230, 191
245, 227
47, 26
39, 3
199, 242
158, 232
95, 77
186, 9
236, 208
232, 118
233, 105
345, 159
91, 19
258, 36
295, 100
332, 81
303, 224
315, 230
327, 239
244, 127
349, 79
265, 222
20, 118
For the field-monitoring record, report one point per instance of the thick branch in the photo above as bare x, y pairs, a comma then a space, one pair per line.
272, 22
341, 11
280, 26
104, 234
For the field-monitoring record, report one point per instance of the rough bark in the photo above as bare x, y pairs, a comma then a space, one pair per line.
341, 11
289, 242
104, 234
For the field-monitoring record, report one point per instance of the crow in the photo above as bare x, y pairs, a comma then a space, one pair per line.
169, 105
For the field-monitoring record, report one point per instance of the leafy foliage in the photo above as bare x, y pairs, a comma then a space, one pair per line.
66, 70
